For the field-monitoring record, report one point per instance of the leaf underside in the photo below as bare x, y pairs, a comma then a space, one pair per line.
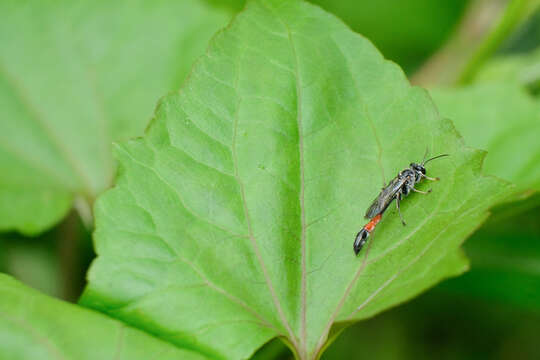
34, 326
232, 220
75, 76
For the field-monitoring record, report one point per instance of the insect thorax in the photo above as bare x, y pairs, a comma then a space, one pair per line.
411, 177
407, 173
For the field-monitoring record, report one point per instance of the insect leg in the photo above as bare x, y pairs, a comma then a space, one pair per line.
398, 199
421, 192
430, 178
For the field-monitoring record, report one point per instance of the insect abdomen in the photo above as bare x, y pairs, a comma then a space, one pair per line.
361, 237
360, 240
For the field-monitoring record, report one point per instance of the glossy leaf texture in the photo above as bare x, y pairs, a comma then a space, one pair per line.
34, 326
74, 77
232, 220
502, 119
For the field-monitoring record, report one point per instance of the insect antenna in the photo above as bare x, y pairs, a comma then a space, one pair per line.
425, 156
433, 158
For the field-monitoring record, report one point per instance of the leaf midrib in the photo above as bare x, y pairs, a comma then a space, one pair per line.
69, 158
252, 239
303, 290
302, 350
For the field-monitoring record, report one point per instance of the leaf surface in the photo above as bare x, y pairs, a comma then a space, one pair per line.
232, 220
75, 76
34, 326
502, 119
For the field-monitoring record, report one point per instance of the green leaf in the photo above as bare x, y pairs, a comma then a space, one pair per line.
233, 219
504, 120
520, 69
34, 326
75, 76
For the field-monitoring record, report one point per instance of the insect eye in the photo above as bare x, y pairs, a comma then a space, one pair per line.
418, 168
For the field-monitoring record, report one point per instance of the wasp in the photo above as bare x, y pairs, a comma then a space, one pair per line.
397, 189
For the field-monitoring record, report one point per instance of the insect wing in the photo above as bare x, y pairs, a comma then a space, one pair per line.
385, 198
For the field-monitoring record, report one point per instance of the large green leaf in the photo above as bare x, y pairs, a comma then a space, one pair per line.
34, 326
233, 219
74, 76
504, 120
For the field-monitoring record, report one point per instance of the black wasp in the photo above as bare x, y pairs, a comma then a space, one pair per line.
397, 189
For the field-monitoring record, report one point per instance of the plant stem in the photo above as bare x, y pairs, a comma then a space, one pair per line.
69, 258
515, 13
477, 37
83, 206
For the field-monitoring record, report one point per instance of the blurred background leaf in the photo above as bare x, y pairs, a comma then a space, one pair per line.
54, 262
439, 325
502, 119
518, 60
34, 326
505, 262
522, 70
32, 261
75, 76
407, 32
482, 32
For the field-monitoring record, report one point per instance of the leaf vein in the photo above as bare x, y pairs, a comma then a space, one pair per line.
18, 90
51, 347
188, 209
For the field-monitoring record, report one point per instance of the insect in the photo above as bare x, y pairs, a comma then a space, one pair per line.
397, 189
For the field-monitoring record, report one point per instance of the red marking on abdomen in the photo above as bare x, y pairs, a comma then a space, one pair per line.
370, 226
